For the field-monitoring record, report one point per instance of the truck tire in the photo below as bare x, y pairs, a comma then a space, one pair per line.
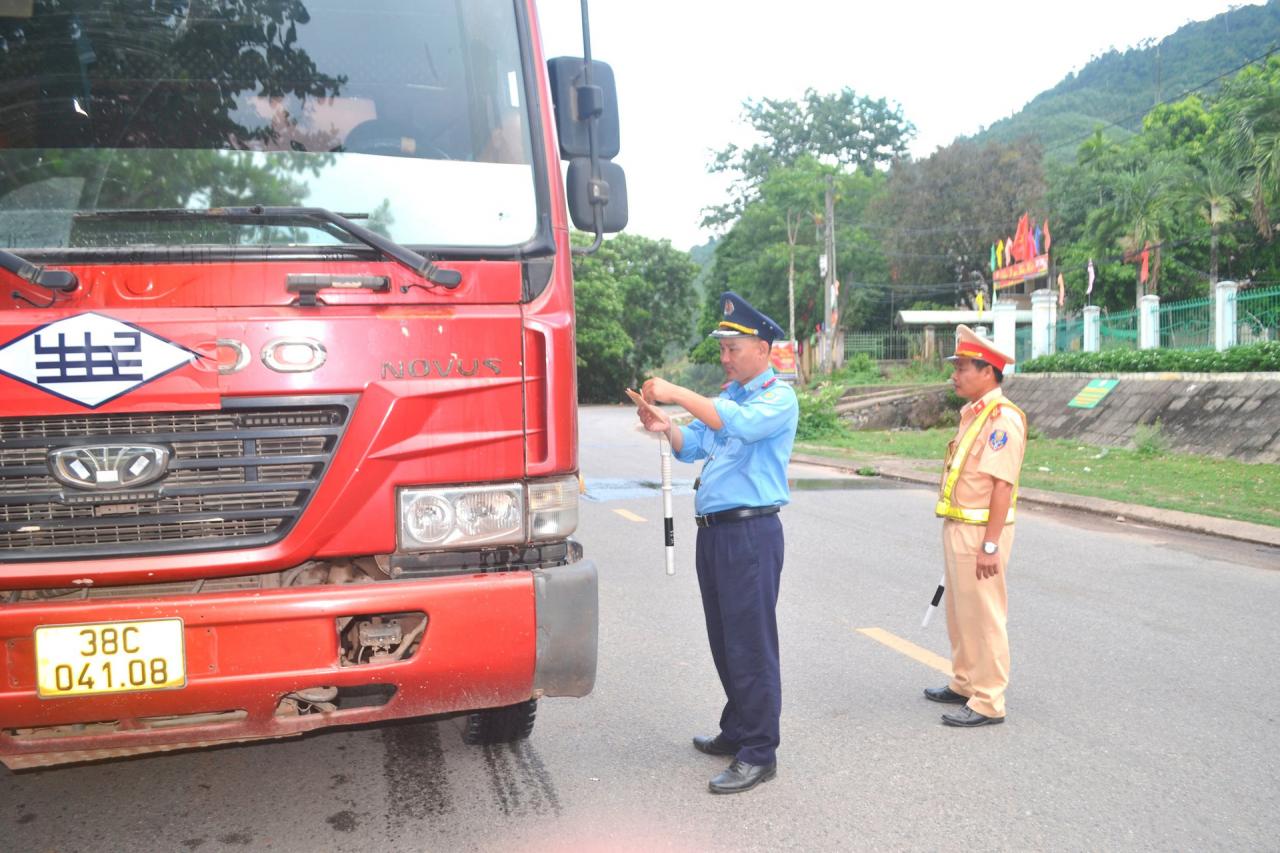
501, 725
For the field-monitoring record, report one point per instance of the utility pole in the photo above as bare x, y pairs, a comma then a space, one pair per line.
793, 231
829, 285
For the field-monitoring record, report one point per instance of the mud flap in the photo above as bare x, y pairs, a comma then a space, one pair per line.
568, 627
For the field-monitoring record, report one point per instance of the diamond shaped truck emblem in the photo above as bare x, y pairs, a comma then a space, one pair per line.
90, 358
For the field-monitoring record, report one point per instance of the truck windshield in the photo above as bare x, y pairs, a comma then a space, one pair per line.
410, 111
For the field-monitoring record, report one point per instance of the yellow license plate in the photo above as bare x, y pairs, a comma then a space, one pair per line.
110, 657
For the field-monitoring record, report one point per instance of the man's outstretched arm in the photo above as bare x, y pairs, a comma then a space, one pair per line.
702, 408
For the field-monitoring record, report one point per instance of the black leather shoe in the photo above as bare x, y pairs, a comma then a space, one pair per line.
944, 694
968, 718
742, 777
714, 745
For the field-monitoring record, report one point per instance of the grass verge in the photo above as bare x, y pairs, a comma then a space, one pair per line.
1222, 488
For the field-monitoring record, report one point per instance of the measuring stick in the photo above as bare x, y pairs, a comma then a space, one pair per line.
669, 532
933, 605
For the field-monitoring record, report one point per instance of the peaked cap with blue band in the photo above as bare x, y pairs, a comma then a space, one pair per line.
740, 320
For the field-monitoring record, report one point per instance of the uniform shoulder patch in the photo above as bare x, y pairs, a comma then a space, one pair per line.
999, 438
769, 395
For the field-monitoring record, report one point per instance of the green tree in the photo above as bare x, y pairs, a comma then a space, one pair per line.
603, 343
941, 214
844, 130
1215, 190
1139, 213
781, 231
1253, 103
636, 307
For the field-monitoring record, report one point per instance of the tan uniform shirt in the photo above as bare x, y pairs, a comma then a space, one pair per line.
997, 452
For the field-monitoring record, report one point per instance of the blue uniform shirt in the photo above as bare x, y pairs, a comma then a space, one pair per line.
747, 457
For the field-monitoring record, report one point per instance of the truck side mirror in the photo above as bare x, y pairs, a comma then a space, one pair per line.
577, 103
609, 194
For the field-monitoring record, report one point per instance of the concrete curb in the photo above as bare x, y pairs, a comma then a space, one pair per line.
1226, 528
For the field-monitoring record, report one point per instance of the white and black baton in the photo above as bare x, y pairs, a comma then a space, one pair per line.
668, 527
937, 599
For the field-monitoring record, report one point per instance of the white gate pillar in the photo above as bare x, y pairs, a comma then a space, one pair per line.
1149, 322
1092, 328
1044, 305
1224, 327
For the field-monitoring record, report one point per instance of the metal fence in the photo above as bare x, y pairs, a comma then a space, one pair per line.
900, 344
1187, 324
1258, 315
1118, 330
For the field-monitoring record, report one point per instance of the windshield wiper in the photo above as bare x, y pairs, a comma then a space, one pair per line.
259, 215
62, 281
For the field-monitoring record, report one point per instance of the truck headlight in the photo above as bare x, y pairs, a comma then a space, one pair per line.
553, 508
433, 519
461, 515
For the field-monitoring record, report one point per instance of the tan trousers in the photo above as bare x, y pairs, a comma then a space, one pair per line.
977, 611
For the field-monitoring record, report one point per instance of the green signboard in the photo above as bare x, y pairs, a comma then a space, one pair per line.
1093, 393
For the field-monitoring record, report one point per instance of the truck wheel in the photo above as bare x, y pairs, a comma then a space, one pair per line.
501, 725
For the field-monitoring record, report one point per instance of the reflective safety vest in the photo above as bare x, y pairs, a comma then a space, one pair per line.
955, 463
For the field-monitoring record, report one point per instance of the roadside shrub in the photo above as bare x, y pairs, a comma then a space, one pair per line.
859, 369
818, 418
1246, 358
1150, 440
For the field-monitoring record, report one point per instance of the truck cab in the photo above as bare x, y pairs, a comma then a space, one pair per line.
289, 431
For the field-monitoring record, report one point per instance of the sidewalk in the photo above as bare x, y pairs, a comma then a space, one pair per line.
927, 472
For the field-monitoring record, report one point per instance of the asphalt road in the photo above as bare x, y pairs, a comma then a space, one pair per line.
1143, 710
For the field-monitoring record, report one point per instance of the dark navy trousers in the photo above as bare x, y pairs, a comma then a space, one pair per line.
739, 568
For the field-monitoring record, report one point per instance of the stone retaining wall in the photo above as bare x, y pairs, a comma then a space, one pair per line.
1234, 415
895, 408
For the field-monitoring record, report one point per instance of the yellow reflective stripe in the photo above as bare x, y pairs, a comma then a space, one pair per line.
961, 454
726, 324
970, 516
944, 509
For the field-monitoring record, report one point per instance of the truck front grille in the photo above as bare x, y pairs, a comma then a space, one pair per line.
239, 477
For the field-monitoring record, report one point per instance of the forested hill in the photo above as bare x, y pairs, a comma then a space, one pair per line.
1120, 87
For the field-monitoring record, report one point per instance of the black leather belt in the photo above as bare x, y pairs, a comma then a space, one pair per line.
740, 514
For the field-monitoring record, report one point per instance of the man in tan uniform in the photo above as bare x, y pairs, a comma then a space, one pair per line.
977, 495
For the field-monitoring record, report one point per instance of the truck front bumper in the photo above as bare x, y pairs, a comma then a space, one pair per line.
491, 640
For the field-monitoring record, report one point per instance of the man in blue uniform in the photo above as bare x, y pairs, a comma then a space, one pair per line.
745, 437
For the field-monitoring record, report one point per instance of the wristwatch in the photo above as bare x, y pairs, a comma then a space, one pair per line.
990, 547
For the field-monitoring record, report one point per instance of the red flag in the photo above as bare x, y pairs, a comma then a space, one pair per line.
1143, 273
1020, 240
1048, 241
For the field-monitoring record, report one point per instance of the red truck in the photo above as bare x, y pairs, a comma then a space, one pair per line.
288, 436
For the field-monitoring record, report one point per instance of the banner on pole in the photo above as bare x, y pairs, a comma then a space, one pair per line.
783, 359
1020, 271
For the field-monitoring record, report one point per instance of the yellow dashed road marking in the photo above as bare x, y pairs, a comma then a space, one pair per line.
628, 515
909, 649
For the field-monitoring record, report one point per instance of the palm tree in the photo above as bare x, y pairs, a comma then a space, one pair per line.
1216, 190
1139, 213
1254, 136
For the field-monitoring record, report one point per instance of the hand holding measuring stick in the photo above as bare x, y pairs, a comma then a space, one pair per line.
655, 420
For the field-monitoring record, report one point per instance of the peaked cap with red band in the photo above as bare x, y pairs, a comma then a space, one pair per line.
969, 344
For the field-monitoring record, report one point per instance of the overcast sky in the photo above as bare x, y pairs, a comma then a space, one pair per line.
684, 68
